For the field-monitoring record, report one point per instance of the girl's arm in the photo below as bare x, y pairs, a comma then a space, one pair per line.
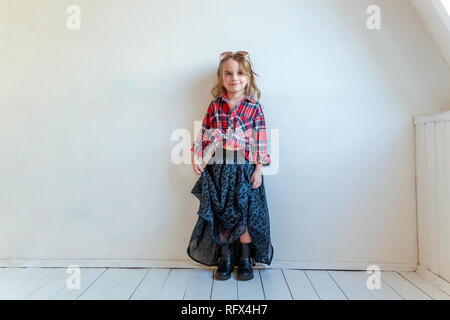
258, 167
260, 144
204, 136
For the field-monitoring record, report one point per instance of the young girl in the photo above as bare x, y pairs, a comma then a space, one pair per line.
233, 219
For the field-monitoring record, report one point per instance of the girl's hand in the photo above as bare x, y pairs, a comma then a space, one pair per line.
198, 169
256, 179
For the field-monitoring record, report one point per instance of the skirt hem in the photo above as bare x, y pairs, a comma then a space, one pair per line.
257, 258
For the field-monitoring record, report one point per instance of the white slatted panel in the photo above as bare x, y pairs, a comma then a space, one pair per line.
442, 210
430, 194
433, 193
446, 273
445, 228
420, 186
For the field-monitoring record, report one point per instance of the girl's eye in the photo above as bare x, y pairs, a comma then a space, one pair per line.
227, 73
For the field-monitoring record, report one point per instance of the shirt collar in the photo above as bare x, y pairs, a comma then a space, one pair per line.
224, 97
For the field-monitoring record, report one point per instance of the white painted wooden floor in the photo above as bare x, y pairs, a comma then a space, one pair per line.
199, 284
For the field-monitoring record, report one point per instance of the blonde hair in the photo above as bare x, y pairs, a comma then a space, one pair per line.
247, 68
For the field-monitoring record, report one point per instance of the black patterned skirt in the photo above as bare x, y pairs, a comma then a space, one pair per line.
227, 205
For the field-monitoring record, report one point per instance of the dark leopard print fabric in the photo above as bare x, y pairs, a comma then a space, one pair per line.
227, 204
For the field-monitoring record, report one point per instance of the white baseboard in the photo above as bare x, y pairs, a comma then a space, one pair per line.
439, 282
102, 263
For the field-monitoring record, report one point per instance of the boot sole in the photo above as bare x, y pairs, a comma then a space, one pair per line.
245, 278
220, 277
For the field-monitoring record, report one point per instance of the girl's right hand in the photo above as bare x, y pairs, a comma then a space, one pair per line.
198, 169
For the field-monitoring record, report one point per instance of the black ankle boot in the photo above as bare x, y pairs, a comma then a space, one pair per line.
245, 270
226, 262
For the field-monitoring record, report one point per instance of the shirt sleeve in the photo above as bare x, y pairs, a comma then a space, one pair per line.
259, 145
204, 137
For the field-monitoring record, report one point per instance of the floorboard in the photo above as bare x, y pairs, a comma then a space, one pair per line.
199, 284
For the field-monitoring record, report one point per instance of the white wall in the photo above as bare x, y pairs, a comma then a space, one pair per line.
437, 21
86, 119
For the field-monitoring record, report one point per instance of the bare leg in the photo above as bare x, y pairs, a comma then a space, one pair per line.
245, 238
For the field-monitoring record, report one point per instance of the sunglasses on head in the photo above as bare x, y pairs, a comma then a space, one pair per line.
229, 53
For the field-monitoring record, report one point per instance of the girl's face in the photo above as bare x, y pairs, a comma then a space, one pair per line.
233, 77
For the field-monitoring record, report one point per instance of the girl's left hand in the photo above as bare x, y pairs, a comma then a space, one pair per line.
256, 179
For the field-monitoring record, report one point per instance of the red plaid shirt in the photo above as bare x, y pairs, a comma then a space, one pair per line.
243, 128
